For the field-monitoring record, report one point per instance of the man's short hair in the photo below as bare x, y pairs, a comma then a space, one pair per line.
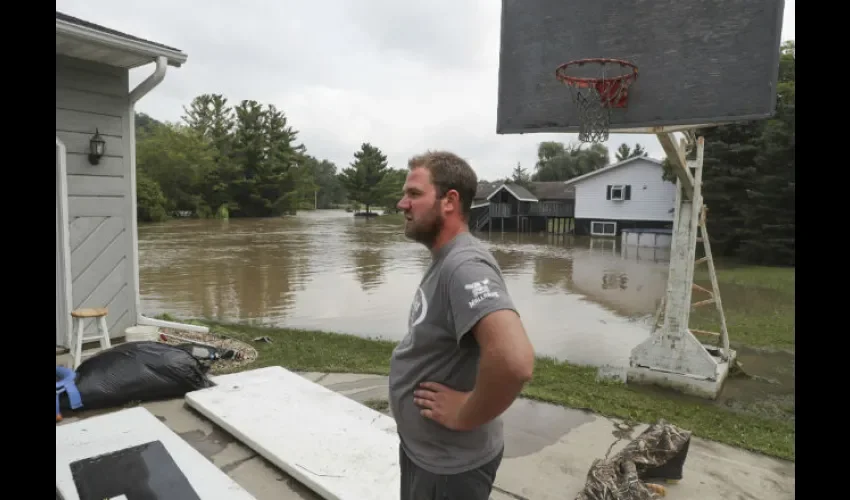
449, 171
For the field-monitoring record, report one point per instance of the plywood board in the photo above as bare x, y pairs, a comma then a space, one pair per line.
337, 447
113, 432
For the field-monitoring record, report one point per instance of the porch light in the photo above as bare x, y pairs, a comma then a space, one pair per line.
97, 146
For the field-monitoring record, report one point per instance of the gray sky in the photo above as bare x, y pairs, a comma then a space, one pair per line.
405, 76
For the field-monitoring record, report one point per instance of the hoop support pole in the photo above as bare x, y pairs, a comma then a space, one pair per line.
676, 154
673, 356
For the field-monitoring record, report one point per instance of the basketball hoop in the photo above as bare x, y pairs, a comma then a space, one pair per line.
594, 97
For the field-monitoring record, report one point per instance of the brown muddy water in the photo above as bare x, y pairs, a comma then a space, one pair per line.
582, 300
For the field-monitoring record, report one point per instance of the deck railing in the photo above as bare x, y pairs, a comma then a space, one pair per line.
542, 209
481, 221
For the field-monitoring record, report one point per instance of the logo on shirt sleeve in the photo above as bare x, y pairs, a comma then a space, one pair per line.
480, 291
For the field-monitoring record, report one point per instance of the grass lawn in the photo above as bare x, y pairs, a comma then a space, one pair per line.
758, 302
554, 382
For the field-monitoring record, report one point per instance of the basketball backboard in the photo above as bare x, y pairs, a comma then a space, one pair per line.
699, 62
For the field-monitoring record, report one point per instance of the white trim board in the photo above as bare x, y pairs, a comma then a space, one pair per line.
64, 235
116, 431
337, 447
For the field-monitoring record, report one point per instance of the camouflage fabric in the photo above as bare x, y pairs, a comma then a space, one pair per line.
622, 477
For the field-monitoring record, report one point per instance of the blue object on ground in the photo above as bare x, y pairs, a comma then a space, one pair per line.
66, 384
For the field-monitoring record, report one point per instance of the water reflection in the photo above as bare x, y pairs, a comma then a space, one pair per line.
583, 300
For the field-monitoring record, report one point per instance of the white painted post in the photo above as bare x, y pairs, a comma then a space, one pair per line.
674, 349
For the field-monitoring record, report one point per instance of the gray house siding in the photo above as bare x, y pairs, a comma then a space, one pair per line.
92, 96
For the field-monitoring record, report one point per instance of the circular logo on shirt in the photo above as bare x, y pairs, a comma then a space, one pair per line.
418, 310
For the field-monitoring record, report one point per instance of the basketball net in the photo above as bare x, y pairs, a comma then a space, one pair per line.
594, 97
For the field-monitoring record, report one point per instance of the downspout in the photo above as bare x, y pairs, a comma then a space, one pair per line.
135, 95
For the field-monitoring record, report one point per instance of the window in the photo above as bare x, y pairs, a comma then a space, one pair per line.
619, 192
603, 228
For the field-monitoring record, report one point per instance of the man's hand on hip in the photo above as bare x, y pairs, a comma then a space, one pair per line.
441, 404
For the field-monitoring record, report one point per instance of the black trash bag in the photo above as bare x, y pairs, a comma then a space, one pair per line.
136, 371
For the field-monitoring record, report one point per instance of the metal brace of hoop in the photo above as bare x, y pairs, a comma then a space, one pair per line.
595, 97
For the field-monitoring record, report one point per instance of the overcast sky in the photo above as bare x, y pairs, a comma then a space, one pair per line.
404, 75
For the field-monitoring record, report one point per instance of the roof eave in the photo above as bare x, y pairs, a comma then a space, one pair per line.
613, 166
508, 189
175, 57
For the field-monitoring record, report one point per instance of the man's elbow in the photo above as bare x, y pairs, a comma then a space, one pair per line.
524, 370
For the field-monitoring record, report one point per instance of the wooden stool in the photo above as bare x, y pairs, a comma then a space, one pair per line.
80, 315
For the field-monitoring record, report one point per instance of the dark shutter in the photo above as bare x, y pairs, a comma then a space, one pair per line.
628, 192
608, 193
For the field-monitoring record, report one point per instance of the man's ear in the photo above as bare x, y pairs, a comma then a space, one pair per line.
453, 198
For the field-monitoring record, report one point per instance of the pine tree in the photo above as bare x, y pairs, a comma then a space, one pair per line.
362, 179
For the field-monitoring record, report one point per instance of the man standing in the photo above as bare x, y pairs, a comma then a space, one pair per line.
466, 355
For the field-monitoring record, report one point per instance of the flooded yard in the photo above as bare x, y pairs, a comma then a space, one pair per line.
581, 300
585, 301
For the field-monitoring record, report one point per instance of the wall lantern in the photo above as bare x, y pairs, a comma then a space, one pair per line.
97, 146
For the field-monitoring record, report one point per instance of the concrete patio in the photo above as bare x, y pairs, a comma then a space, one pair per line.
549, 450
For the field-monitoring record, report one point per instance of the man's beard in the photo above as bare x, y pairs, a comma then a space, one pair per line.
426, 231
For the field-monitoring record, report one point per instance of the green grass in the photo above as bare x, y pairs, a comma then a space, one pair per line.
554, 382
758, 303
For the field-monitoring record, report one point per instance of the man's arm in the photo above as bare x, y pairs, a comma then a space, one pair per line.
506, 365
481, 306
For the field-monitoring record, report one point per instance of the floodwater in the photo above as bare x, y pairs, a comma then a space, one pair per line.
586, 301
583, 301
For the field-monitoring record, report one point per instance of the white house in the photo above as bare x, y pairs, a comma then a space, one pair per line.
630, 194
96, 239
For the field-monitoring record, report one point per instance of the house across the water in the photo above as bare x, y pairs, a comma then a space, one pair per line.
628, 199
539, 207
630, 195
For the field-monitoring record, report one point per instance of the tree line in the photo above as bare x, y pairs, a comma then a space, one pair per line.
223, 161
246, 160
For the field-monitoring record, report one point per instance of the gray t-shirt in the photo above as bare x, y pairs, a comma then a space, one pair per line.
462, 285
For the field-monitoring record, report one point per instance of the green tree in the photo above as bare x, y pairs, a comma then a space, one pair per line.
285, 178
556, 162
145, 125
269, 180
244, 159
362, 179
177, 158
329, 191
211, 116
520, 176
150, 201
624, 152
391, 189
769, 229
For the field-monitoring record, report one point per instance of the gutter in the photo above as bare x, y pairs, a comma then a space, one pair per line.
175, 57
135, 95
